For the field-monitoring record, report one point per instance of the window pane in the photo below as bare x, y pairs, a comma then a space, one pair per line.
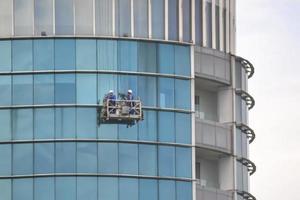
86, 88
22, 89
182, 60
43, 89
127, 55
86, 157
64, 123
5, 161
183, 162
23, 17
158, 19
5, 124
64, 54
128, 189
108, 188
65, 157
22, 124
44, 123
64, 17
183, 190
107, 51
148, 189
167, 190
183, 94
198, 22
166, 161
147, 90
186, 15
84, 17
44, 158
148, 127
22, 55
104, 17
65, 88
22, 189
166, 126
5, 52
128, 82
128, 133
128, 158
183, 128
166, 58
173, 19
123, 25
106, 82
21, 153
147, 57
63, 184
43, 54
208, 14
140, 18
43, 18
44, 189
108, 157
5, 188
108, 131
5, 88
224, 28
147, 160
166, 92
86, 54
5, 19
86, 123
86, 188
217, 25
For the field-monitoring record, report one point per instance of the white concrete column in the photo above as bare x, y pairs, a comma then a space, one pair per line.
193, 37
166, 20
180, 20
149, 19
132, 18
213, 20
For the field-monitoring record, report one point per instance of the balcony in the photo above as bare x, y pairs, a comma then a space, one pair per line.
212, 194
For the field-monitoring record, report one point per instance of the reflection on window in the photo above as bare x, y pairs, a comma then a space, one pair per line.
173, 19
21, 153
65, 88
107, 54
86, 122
84, 17
5, 185
65, 157
86, 91
43, 89
64, 22
5, 53
167, 190
147, 61
43, 51
182, 94
140, 18
43, 158
147, 160
182, 60
22, 124
186, 14
166, 92
108, 158
22, 189
148, 127
104, 17
87, 158
158, 19
183, 128
166, 161
22, 55
5, 161
198, 22
166, 58
127, 55
86, 188
44, 188
43, 17
23, 17
86, 54
166, 126
64, 54
183, 162
64, 123
128, 158
6, 18
44, 123
107, 187
128, 189
147, 90
5, 88
183, 190
63, 184
148, 189
5, 124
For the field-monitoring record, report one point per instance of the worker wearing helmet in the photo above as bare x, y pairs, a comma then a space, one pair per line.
112, 100
130, 102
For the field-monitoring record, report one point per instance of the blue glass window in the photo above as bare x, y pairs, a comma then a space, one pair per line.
108, 157
158, 19
43, 51
44, 189
108, 131
86, 188
166, 92
5, 88
183, 128
106, 82
22, 124
22, 189
43, 158
183, 190
127, 55
166, 60
182, 94
183, 162
43, 89
182, 60
167, 190
86, 157
5, 55
147, 160
63, 184
148, 189
128, 82
147, 61
64, 17
22, 89
86, 54
21, 153
166, 125
128, 189
5, 189
123, 18
86, 123
64, 123
128, 158
108, 188
44, 123
86, 88
22, 55
147, 90
65, 157
64, 54
148, 127
173, 19
5, 124
5, 161
166, 161
128, 133
107, 51
65, 88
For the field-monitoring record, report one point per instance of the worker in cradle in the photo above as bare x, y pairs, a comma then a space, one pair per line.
112, 97
130, 102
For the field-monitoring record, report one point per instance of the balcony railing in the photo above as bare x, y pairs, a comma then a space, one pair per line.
246, 130
246, 195
246, 97
213, 194
247, 65
249, 164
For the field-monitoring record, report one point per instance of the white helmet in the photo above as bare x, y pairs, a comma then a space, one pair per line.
111, 91
130, 91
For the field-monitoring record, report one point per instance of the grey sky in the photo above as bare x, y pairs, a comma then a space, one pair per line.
268, 35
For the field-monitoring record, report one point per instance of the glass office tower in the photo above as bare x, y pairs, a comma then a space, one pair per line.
58, 58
